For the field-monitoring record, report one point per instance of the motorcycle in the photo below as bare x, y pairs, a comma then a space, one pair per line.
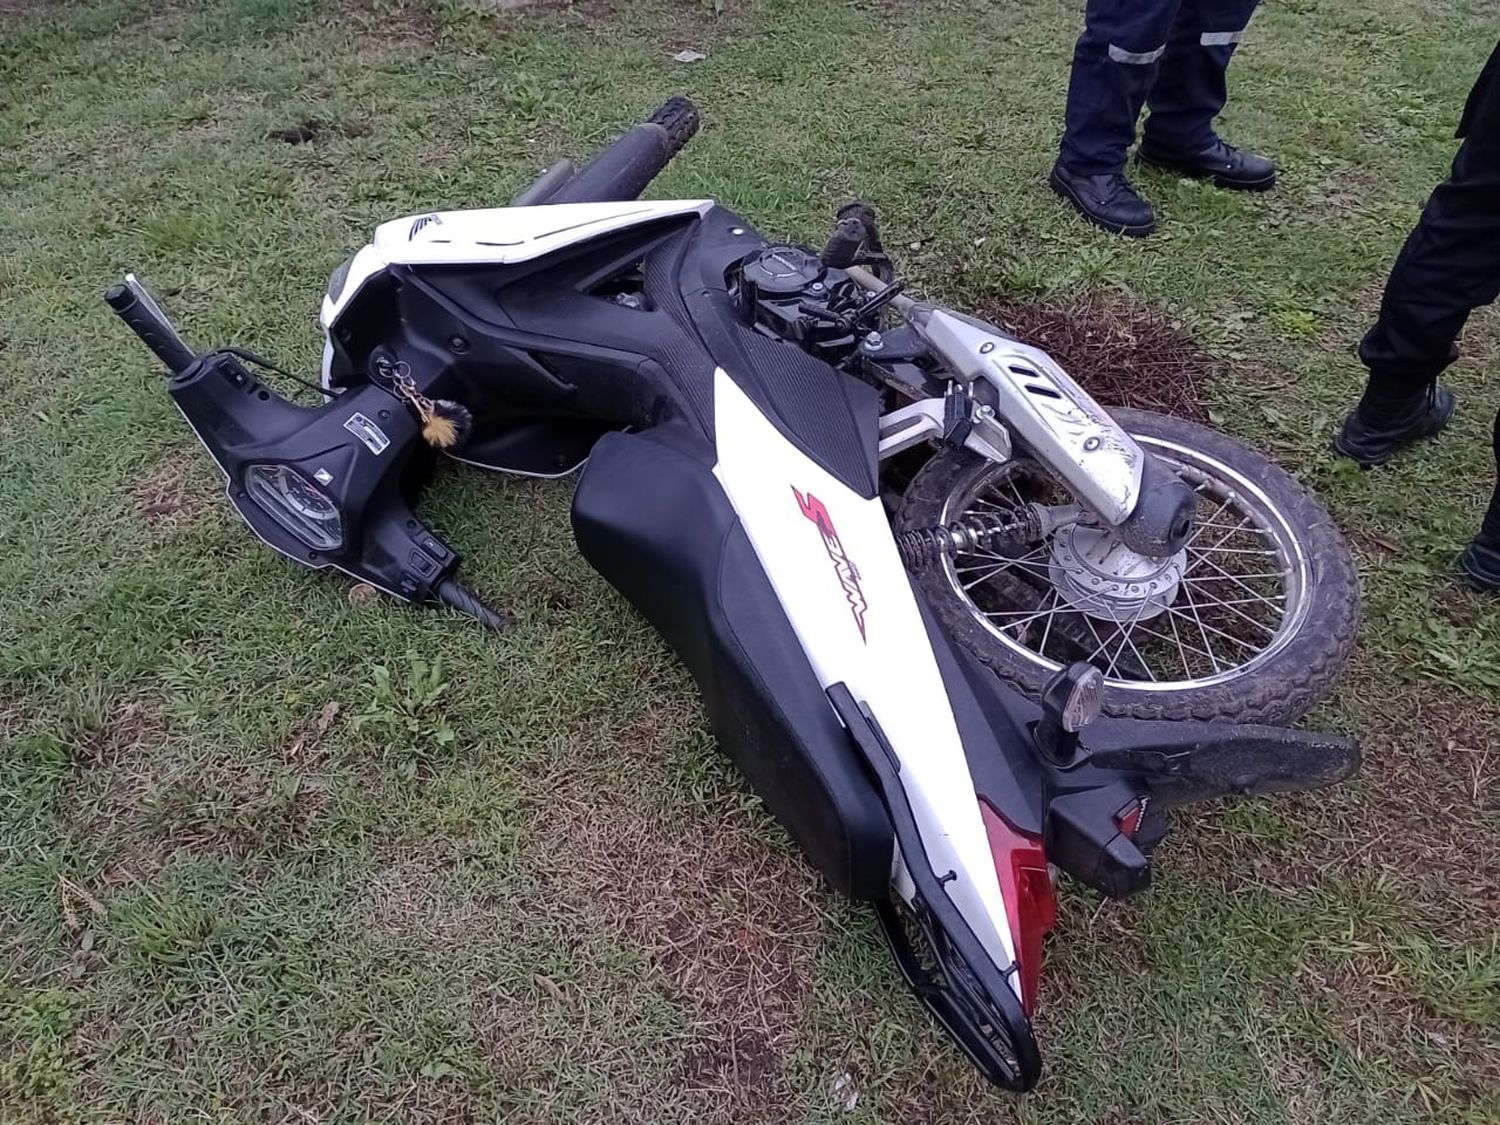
845, 509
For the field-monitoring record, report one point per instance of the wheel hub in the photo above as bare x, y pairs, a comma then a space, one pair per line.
1099, 576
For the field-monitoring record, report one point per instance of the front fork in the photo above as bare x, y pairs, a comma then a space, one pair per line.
1005, 392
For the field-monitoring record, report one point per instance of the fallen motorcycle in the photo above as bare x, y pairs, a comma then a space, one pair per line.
741, 409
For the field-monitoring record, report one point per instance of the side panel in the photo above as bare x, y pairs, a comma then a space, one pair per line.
832, 561
650, 517
494, 236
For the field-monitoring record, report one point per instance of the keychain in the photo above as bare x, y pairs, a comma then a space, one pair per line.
446, 424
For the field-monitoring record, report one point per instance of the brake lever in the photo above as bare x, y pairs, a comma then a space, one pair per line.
877, 301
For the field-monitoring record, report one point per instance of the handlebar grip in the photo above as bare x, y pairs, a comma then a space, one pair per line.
679, 117
455, 595
623, 170
133, 304
843, 245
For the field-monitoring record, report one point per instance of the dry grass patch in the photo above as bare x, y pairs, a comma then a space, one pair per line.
410, 901
1424, 813
142, 793
1121, 353
173, 494
730, 922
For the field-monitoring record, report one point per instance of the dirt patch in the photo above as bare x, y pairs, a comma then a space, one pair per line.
744, 1058
1387, 1023
1121, 353
144, 793
19, 8
666, 886
316, 129
132, 726
676, 25
556, 593
383, 27
235, 816
173, 494
730, 922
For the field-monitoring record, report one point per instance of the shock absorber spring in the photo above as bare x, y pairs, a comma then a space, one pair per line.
976, 531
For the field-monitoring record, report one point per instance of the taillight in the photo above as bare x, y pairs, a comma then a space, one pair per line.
1026, 887
1128, 819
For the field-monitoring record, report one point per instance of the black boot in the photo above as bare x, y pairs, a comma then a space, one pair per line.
1220, 162
1107, 201
1479, 565
1374, 430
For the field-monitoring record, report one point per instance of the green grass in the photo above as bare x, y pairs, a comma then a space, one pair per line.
511, 878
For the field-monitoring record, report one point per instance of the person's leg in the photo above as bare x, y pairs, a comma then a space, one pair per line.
1114, 64
1190, 92
1480, 562
1449, 266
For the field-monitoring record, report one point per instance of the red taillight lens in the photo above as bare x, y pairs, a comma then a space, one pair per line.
1128, 819
1027, 889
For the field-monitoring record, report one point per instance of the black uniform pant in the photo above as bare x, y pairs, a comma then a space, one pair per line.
1449, 266
1171, 54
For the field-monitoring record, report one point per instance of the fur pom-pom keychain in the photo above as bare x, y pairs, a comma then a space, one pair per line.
446, 424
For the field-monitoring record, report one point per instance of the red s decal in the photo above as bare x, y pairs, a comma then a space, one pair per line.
848, 575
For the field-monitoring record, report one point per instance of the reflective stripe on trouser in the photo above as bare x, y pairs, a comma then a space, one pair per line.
1135, 58
1170, 52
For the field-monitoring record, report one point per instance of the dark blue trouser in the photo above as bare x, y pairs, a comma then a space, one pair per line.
1449, 266
1171, 54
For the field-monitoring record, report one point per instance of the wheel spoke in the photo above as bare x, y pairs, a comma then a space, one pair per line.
1051, 617
1125, 639
1236, 591
1221, 539
1262, 599
1146, 664
1181, 648
1035, 569
1039, 551
1197, 620
1235, 551
1201, 526
1232, 578
1215, 604
1207, 644
1237, 577
1030, 615
989, 573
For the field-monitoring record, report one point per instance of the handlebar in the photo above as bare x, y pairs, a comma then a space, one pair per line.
623, 169
456, 596
134, 304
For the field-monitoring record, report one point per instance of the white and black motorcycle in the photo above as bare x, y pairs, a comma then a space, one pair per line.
744, 409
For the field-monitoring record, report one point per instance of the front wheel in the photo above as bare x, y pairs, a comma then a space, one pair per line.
1252, 621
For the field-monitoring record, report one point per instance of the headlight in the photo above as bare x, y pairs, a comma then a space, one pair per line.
297, 505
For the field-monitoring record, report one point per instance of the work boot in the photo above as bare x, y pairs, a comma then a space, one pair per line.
1372, 436
1106, 200
1479, 565
1220, 162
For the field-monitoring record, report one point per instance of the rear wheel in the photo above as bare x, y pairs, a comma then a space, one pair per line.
1252, 621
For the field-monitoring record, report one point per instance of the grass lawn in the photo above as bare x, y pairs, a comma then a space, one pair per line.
270, 855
